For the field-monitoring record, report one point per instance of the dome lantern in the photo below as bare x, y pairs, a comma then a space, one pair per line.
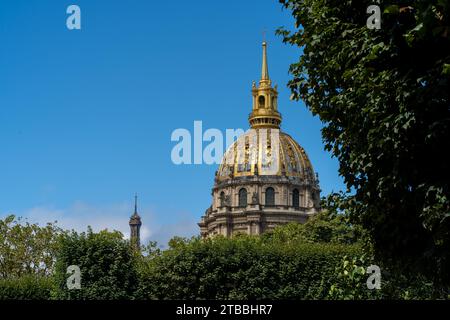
265, 100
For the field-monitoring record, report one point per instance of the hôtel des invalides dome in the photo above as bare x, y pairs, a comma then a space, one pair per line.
265, 178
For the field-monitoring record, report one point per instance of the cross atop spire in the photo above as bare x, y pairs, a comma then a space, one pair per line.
135, 203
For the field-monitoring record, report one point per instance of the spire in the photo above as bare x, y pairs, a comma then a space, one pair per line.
265, 67
265, 99
135, 227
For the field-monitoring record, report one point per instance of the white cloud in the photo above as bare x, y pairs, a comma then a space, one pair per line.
80, 215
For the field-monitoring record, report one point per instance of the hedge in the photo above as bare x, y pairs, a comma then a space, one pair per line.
28, 287
242, 268
218, 268
107, 264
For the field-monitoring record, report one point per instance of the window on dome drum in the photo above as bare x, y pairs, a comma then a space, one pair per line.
261, 102
270, 196
222, 199
243, 197
295, 198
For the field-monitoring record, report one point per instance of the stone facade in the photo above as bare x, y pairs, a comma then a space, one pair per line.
227, 216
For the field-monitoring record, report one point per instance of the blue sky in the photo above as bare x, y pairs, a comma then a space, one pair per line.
86, 116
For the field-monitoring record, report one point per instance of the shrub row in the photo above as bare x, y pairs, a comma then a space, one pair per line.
239, 268
242, 268
28, 287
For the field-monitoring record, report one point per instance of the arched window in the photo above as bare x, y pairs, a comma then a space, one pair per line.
222, 199
295, 198
243, 197
302, 199
261, 102
270, 196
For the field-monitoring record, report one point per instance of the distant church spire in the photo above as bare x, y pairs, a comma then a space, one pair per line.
265, 99
135, 227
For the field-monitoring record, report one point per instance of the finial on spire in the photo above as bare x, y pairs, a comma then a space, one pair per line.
135, 203
265, 68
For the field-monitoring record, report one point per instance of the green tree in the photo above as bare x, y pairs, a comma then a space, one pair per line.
107, 263
324, 227
350, 280
27, 249
383, 96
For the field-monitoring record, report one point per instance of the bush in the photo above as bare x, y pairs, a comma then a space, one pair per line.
28, 287
242, 268
324, 227
351, 280
351, 283
107, 264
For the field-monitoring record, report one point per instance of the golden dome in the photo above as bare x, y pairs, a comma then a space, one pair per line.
265, 178
265, 152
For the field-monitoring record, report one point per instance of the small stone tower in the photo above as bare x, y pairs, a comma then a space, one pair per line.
135, 227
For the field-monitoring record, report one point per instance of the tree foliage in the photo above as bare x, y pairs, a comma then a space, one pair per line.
26, 287
383, 96
244, 267
351, 280
288, 264
27, 249
324, 227
106, 261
